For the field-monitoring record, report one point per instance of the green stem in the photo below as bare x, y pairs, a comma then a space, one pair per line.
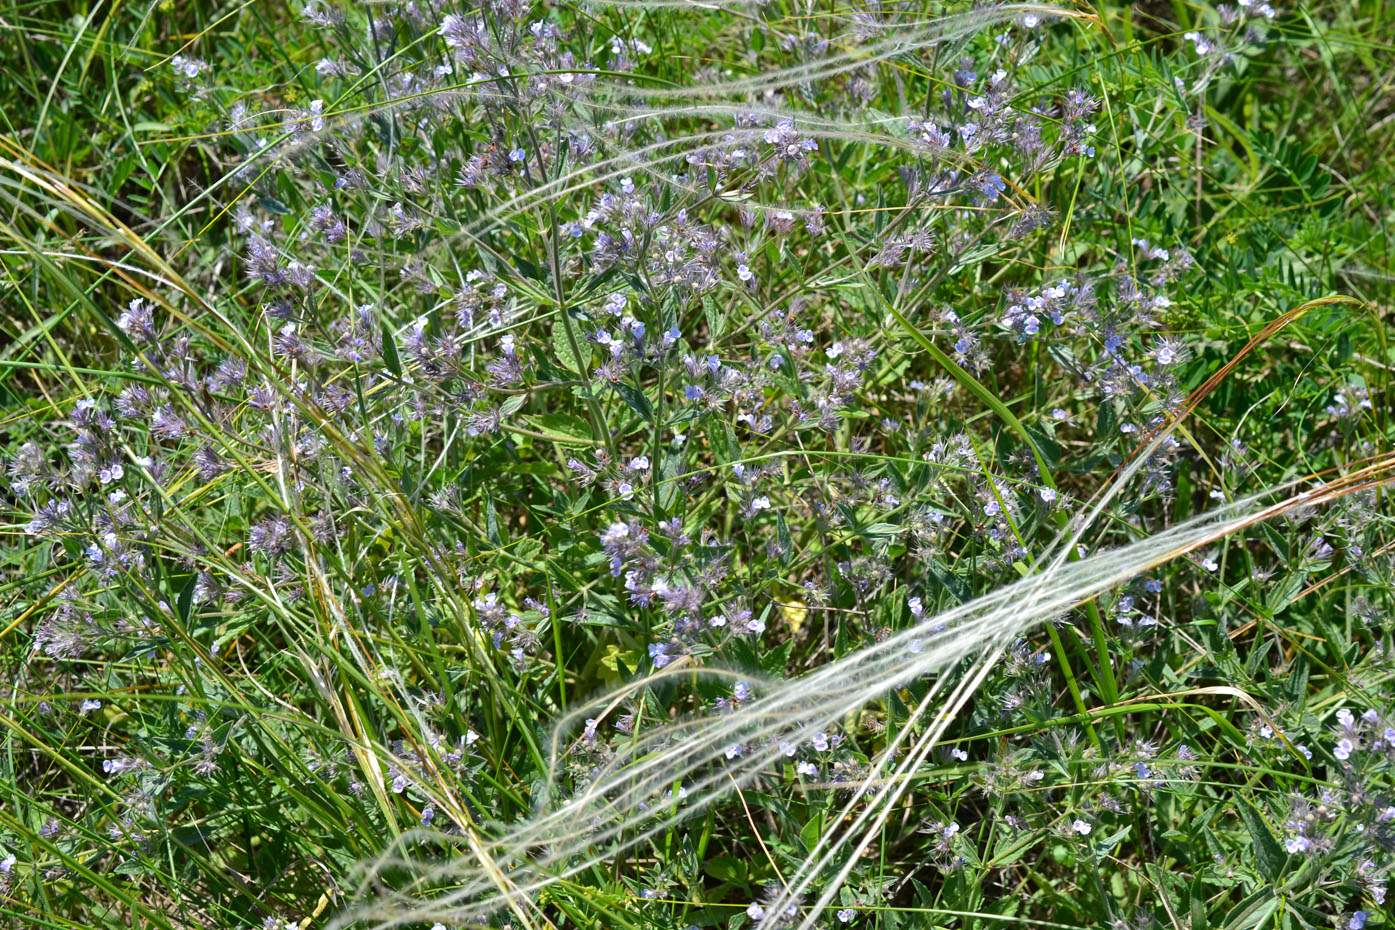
1109, 688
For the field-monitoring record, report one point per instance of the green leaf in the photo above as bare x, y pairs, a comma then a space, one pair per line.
773, 662
1269, 855
184, 605
1198, 906
1253, 911
592, 617
1009, 850
528, 549
272, 205
1293, 687
668, 487
1050, 450
782, 537
726, 869
390, 357
636, 400
561, 427
1284, 593
491, 520
1107, 423
562, 346
716, 321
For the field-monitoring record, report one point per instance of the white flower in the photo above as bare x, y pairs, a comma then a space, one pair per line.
1203, 46
1081, 827
186, 66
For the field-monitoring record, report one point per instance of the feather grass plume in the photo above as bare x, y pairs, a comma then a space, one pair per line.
637, 795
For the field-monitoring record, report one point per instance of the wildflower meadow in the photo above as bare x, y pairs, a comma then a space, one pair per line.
677, 464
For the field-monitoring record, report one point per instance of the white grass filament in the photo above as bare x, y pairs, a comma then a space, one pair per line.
636, 797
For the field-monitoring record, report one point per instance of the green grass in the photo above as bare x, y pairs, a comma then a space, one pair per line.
302, 616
